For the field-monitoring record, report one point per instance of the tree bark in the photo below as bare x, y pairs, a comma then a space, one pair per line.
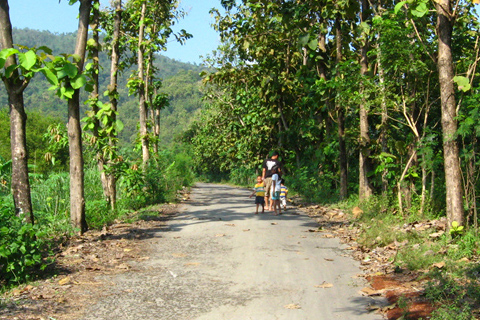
141, 91
77, 187
342, 148
18, 119
111, 178
94, 96
365, 189
453, 179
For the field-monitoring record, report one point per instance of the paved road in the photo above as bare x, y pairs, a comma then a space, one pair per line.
217, 260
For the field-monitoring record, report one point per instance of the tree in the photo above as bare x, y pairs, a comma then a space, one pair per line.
15, 83
453, 177
77, 192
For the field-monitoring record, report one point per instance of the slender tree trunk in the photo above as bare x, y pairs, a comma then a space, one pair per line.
18, 119
94, 96
141, 91
365, 189
115, 58
156, 124
384, 118
77, 187
342, 147
453, 179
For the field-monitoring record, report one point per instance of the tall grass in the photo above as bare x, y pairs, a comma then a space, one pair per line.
23, 246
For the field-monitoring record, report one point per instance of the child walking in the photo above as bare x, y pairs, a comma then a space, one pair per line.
259, 192
283, 194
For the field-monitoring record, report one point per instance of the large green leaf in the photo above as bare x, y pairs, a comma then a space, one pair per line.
78, 82
27, 60
462, 82
68, 70
51, 77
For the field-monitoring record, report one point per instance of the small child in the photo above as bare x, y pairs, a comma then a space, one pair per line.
276, 191
283, 194
259, 192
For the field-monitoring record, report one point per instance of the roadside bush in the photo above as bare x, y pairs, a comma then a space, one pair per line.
311, 187
21, 247
452, 297
242, 176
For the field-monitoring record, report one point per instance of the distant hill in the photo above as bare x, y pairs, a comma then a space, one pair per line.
181, 81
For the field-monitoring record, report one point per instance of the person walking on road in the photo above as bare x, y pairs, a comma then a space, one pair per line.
267, 166
259, 192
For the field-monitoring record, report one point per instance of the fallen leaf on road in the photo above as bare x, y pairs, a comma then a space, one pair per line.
292, 306
230, 224
179, 255
192, 264
123, 266
328, 236
220, 235
370, 292
127, 250
64, 281
246, 229
315, 230
327, 259
274, 223
324, 285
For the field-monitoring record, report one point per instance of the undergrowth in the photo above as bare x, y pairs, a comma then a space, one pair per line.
448, 260
25, 249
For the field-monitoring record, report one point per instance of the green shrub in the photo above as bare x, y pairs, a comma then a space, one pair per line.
21, 247
451, 297
242, 176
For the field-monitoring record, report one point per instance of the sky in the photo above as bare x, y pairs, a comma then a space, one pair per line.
62, 18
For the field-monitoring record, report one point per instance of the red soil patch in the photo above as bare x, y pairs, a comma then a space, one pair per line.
403, 287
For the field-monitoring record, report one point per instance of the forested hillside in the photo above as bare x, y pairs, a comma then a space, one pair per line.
181, 82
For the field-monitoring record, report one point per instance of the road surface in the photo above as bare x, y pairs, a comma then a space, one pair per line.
218, 260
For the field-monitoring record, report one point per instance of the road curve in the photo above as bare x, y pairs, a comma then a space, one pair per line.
218, 260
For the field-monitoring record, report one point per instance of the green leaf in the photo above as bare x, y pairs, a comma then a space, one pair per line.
454, 224
119, 125
304, 40
313, 44
462, 82
9, 70
67, 92
51, 77
420, 10
69, 70
5, 53
399, 6
27, 60
78, 82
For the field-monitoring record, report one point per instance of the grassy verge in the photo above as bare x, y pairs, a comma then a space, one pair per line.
449, 260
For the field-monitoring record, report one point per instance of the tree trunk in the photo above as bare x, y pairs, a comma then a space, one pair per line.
94, 97
77, 188
18, 118
115, 58
453, 179
365, 189
342, 147
141, 91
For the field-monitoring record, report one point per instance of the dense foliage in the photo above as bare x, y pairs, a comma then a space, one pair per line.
289, 77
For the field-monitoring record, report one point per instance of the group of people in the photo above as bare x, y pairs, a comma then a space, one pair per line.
270, 189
